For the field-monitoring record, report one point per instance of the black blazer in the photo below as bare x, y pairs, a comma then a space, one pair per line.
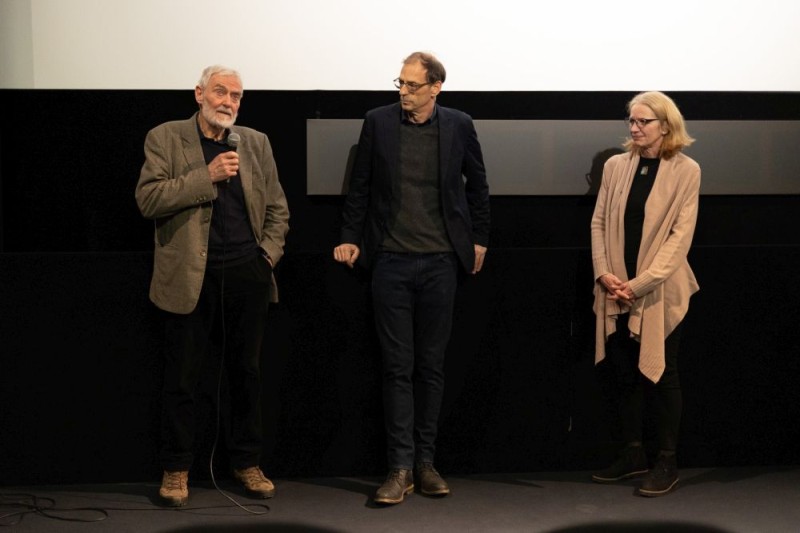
464, 191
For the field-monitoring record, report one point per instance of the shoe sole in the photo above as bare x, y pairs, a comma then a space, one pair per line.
408, 490
261, 495
598, 479
174, 502
654, 493
442, 492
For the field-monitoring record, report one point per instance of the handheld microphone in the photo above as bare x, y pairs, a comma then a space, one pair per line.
233, 140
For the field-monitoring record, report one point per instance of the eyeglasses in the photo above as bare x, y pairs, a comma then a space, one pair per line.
641, 122
410, 85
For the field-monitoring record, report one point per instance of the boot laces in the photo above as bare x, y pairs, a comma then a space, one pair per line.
174, 480
253, 475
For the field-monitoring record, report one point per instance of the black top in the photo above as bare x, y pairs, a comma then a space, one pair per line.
230, 240
634, 210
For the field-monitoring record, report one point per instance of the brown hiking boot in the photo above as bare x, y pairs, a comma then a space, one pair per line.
174, 490
255, 482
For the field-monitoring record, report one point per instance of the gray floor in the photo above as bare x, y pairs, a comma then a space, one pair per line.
730, 500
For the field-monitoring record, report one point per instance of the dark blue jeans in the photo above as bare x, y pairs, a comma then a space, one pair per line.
413, 297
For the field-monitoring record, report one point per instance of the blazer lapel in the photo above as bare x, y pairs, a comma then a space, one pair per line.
445, 141
391, 136
192, 151
245, 168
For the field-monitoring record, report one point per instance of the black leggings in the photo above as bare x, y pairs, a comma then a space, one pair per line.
630, 387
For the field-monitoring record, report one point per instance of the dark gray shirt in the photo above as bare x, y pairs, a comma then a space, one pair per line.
416, 224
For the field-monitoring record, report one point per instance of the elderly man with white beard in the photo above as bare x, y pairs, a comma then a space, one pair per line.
221, 219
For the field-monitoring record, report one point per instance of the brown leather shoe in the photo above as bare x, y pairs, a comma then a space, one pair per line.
398, 483
174, 490
431, 483
255, 482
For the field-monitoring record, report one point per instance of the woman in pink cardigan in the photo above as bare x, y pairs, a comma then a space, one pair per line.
642, 230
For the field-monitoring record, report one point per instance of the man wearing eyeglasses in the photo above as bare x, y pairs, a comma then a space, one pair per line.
417, 213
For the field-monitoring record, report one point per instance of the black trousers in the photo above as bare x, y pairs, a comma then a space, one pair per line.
629, 388
233, 303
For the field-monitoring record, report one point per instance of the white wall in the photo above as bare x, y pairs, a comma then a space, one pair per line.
16, 44
486, 45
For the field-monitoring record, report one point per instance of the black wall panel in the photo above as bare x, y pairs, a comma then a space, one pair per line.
81, 344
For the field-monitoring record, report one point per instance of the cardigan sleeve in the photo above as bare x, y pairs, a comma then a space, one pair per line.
599, 222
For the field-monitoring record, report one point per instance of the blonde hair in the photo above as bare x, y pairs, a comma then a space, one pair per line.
665, 110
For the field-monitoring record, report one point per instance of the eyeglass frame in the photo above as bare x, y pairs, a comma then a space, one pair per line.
412, 86
640, 122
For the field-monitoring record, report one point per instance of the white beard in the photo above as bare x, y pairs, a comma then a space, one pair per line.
218, 120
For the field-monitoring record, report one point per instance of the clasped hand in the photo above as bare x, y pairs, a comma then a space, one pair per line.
618, 290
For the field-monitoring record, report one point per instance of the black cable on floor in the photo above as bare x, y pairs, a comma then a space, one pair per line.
14, 507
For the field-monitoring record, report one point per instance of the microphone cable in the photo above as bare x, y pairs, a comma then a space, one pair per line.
223, 349
15, 506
